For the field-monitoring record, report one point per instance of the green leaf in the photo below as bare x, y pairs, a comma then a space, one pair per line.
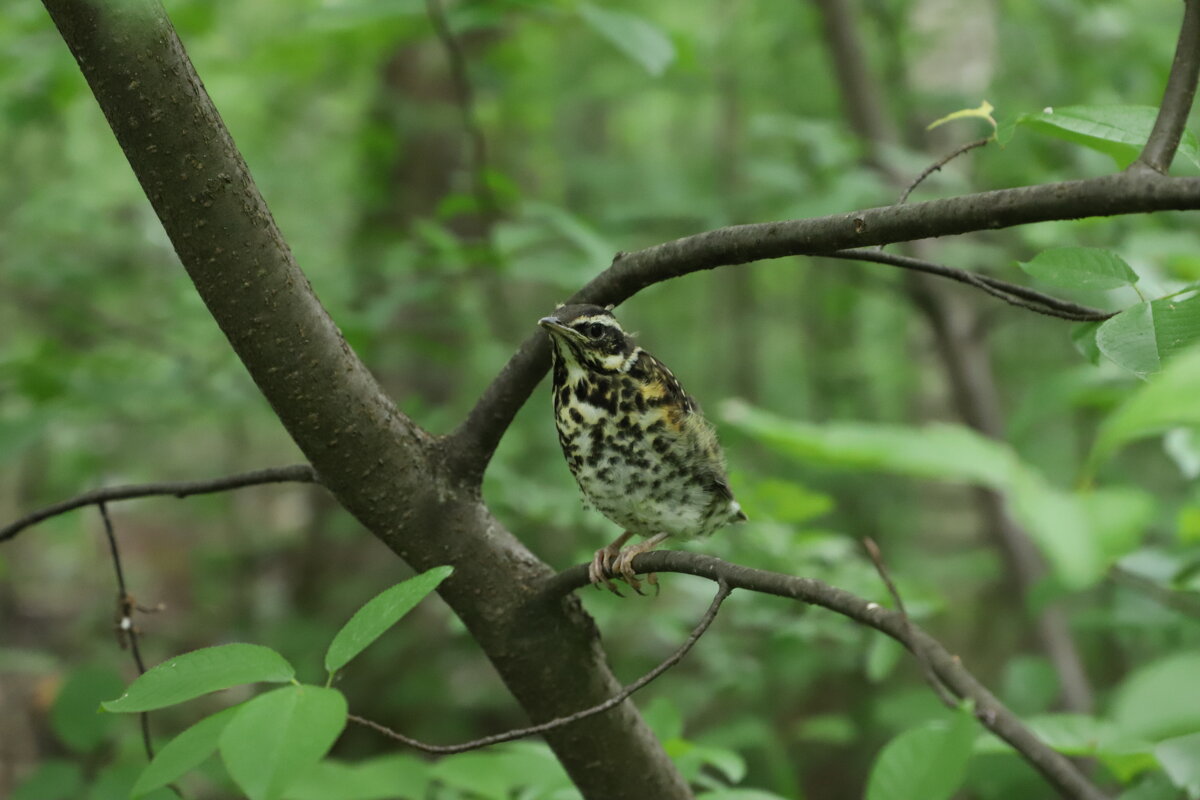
1083, 336
1160, 699
1056, 519
1143, 337
273, 738
928, 762
664, 718
76, 717
1081, 268
1128, 339
185, 752
739, 794
883, 653
202, 671
1180, 759
835, 729
983, 111
1118, 131
382, 778
380, 613
52, 780
1151, 786
1167, 401
1070, 734
482, 774
727, 762
641, 41
1118, 518
115, 783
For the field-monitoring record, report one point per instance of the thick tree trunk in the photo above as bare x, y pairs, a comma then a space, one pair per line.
384, 469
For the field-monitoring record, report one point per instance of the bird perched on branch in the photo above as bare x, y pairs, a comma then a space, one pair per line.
639, 448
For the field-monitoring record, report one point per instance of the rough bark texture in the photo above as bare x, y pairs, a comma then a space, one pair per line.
383, 468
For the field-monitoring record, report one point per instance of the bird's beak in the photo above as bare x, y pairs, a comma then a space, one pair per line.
552, 325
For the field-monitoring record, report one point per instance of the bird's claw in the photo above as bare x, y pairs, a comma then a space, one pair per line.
624, 565
601, 568
616, 561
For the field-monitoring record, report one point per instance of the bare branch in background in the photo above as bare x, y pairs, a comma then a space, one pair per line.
937, 165
1182, 601
1168, 129
465, 96
927, 672
127, 630
1011, 293
296, 473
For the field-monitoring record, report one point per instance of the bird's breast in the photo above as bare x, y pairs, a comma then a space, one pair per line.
632, 459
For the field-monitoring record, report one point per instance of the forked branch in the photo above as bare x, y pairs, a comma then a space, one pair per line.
948, 668
1168, 129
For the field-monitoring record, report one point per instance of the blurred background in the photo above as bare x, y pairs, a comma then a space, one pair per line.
437, 225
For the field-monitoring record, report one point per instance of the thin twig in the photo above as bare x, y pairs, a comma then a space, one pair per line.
937, 165
1177, 97
931, 677
127, 630
723, 590
992, 714
298, 473
1011, 293
465, 96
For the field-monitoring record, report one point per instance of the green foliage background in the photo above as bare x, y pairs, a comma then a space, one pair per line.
608, 127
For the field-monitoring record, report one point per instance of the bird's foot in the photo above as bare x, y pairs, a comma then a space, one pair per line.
602, 567
622, 564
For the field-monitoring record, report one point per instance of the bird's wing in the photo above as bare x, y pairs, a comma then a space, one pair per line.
700, 431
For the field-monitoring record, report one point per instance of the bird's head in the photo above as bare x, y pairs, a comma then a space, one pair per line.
591, 337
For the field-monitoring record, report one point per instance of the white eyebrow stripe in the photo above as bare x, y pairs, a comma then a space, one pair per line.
607, 322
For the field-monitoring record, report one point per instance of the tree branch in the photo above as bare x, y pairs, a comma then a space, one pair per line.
296, 473
723, 591
1168, 129
473, 442
1011, 293
991, 713
380, 466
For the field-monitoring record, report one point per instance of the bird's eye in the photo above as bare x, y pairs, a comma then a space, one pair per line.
595, 330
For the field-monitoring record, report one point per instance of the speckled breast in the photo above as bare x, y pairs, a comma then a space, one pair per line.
629, 456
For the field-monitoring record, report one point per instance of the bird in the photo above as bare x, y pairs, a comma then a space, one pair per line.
638, 445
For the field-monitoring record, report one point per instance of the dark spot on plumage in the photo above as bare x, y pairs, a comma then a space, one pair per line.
576, 417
